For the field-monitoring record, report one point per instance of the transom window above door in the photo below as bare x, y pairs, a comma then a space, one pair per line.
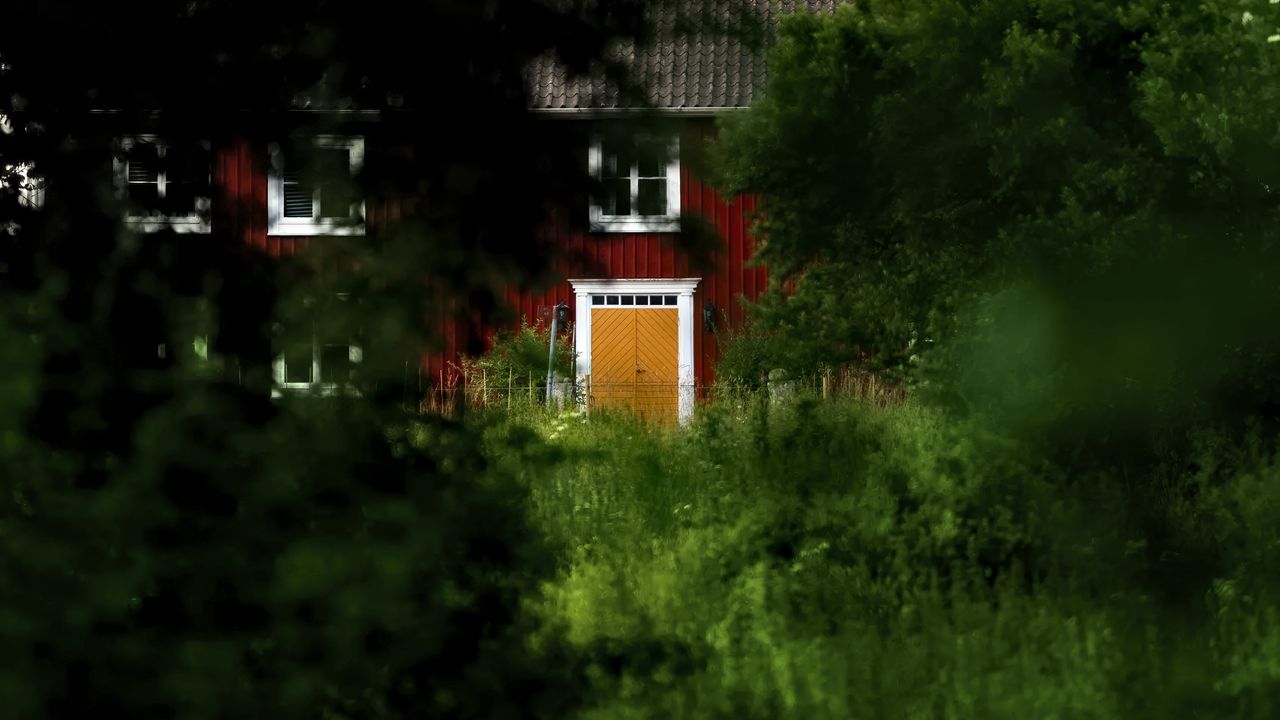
639, 177
634, 300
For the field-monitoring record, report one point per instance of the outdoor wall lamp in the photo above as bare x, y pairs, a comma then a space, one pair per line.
708, 317
562, 313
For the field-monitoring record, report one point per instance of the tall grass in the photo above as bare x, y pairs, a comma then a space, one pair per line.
839, 559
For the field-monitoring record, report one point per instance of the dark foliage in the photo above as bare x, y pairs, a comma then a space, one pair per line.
176, 543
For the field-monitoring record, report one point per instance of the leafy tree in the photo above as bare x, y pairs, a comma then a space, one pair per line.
1062, 212
175, 543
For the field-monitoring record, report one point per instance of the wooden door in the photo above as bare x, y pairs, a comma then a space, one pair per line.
613, 358
635, 361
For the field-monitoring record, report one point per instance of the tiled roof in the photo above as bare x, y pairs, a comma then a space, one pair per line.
677, 69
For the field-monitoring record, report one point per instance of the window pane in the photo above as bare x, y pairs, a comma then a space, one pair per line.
653, 157
297, 364
186, 177
617, 199
669, 299
332, 164
142, 171
331, 170
653, 197
145, 197
618, 158
297, 197
335, 364
187, 163
179, 198
642, 299
335, 200
628, 299
597, 299
143, 163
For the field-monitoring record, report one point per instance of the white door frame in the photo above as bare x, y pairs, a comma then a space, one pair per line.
682, 288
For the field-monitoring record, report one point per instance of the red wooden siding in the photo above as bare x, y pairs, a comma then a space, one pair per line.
654, 255
240, 174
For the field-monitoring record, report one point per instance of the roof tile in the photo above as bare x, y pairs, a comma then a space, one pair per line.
690, 70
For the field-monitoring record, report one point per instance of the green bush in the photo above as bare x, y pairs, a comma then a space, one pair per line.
747, 355
518, 359
836, 559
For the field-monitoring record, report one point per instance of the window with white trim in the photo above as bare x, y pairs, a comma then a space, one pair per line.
316, 194
639, 178
317, 357
164, 184
18, 178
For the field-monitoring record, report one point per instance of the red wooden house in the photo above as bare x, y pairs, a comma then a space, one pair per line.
631, 349
643, 316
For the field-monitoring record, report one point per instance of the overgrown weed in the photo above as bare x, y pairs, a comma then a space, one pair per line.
833, 559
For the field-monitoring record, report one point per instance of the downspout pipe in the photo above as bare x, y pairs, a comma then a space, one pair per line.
560, 309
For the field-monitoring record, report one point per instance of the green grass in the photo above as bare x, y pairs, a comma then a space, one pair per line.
837, 560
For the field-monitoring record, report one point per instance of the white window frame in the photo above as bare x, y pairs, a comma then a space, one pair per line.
197, 221
278, 224
355, 354
682, 288
320, 387
668, 222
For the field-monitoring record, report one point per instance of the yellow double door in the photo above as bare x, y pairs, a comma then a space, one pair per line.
635, 357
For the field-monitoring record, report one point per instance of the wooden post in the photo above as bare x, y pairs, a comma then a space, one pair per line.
586, 394
826, 384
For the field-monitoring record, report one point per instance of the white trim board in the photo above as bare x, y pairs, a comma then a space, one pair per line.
682, 288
